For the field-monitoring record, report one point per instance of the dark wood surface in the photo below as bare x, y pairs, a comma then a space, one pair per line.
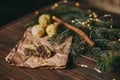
11, 33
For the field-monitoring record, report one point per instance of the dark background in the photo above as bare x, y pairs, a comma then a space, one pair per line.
13, 9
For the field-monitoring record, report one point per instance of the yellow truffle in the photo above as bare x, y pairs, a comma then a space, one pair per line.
38, 31
44, 20
51, 30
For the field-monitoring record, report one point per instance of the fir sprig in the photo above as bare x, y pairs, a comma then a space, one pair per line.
106, 51
108, 60
59, 38
106, 33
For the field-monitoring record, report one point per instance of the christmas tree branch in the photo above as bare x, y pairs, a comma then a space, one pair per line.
77, 30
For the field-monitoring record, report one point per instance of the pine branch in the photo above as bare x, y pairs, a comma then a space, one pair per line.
60, 37
105, 44
108, 61
106, 33
106, 52
77, 30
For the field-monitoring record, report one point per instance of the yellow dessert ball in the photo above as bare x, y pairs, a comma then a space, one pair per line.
44, 20
51, 30
38, 31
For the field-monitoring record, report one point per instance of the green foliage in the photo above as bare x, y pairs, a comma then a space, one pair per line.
106, 51
60, 37
108, 60
106, 33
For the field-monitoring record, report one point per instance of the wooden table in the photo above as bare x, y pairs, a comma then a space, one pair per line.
11, 33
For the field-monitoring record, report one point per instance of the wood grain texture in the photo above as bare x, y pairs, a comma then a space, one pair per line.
11, 33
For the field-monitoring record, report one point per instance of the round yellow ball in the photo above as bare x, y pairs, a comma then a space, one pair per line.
38, 31
44, 20
51, 30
